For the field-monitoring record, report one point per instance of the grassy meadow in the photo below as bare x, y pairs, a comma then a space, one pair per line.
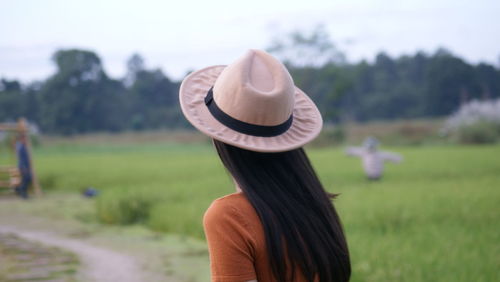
432, 218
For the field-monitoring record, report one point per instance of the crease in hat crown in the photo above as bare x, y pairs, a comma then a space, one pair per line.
256, 89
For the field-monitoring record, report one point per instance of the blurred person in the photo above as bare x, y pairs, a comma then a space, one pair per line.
24, 165
280, 224
373, 160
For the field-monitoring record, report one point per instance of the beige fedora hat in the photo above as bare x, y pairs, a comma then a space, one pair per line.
252, 104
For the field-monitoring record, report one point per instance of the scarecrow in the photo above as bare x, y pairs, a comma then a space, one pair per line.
23, 176
372, 159
24, 165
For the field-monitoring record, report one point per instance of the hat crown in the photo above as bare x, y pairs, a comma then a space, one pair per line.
256, 89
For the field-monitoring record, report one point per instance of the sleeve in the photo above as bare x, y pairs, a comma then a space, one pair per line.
230, 244
353, 151
392, 157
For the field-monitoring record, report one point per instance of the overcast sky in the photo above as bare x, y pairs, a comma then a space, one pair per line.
181, 35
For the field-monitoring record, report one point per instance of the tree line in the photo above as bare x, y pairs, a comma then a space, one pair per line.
80, 97
407, 87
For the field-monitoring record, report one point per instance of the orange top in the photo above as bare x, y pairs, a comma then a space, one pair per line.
236, 241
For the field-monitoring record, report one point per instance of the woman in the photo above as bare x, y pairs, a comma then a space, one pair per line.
280, 225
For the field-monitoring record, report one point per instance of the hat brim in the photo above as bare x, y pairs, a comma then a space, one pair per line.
306, 125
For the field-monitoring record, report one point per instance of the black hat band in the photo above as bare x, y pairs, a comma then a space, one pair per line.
244, 127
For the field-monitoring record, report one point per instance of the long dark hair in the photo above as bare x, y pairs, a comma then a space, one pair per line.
302, 228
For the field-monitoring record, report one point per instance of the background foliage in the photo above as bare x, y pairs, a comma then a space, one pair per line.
80, 97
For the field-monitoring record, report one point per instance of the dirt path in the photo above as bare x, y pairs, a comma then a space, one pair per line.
105, 252
24, 260
98, 264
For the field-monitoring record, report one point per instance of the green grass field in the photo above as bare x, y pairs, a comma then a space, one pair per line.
435, 217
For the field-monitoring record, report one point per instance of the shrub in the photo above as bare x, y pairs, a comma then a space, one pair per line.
48, 180
125, 206
476, 122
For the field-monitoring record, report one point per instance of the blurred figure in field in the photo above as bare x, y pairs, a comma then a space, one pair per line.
24, 165
373, 160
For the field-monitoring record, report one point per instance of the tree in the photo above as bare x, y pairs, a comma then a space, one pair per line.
154, 101
12, 100
489, 79
306, 50
450, 82
315, 64
134, 65
80, 97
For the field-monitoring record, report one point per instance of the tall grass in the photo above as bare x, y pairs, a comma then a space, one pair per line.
432, 218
